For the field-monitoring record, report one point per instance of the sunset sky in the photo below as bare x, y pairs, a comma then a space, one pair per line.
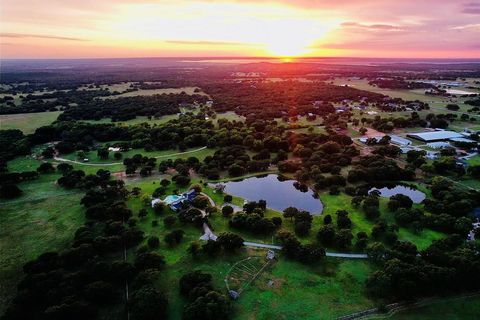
193, 28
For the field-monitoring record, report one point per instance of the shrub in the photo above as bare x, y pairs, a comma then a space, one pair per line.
169, 221
174, 237
227, 211
153, 242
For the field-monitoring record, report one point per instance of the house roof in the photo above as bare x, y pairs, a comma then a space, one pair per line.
462, 140
400, 140
393, 139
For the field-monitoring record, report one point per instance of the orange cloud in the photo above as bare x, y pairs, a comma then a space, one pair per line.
39, 36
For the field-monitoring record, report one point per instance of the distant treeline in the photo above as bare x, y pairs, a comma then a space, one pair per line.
276, 99
126, 108
399, 83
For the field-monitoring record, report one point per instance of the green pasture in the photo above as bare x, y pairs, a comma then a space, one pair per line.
28, 122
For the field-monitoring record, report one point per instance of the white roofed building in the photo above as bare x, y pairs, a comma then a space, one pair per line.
399, 141
435, 135
439, 145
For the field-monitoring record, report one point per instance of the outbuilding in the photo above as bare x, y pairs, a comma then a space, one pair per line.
433, 136
399, 141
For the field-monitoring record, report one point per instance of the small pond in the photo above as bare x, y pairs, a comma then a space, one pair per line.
416, 195
279, 194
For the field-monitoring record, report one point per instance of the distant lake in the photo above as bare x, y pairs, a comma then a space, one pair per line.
415, 195
457, 91
278, 194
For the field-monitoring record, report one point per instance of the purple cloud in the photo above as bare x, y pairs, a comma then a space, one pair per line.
471, 8
372, 27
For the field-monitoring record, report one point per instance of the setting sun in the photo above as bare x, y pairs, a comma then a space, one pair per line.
287, 47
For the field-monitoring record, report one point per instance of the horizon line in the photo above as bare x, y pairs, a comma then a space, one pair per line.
238, 57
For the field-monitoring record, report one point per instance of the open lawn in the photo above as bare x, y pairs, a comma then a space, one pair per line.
362, 84
230, 115
297, 292
437, 103
360, 223
121, 86
27, 122
43, 219
474, 161
447, 308
324, 291
114, 165
137, 120
28, 163
151, 92
470, 183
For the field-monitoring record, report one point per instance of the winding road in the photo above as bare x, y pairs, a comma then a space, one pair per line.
328, 254
118, 163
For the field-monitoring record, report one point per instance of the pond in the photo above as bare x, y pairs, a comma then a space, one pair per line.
279, 194
387, 192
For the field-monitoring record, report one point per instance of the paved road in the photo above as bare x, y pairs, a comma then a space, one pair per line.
87, 163
347, 255
328, 254
117, 163
261, 245
207, 233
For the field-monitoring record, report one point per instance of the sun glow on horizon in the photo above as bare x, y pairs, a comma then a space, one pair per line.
127, 28
288, 47
199, 28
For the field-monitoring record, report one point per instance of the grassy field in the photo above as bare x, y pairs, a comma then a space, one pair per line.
166, 154
150, 92
27, 122
117, 165
43, 219
437, 103
122, 86
137, 120
230, 115
30, 164
474, 161
23, 164
448, 308
324, 291
342, 201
